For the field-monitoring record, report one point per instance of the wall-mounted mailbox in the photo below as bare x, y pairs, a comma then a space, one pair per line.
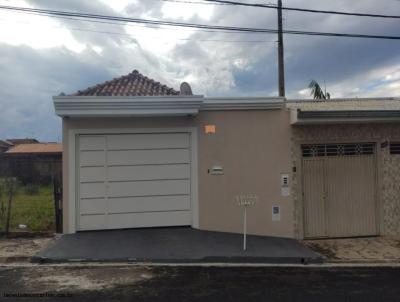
216, 170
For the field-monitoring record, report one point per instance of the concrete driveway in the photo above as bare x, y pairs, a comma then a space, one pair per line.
177, 245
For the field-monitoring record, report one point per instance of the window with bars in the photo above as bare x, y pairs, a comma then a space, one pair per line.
395, 148
320, 150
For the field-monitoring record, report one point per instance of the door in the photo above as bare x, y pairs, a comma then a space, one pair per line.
339, 187
134, 180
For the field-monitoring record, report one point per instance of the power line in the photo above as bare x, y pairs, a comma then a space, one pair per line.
193, 25
331, 12
157, 38
145, 26
193, 2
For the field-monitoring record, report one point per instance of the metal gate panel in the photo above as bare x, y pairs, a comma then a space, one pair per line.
350, 191
314, 203
339, 190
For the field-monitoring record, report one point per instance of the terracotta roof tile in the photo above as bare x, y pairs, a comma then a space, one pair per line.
133, 84
16, 141
36, 148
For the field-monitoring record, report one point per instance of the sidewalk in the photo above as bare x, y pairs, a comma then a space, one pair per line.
22, 249
358, 250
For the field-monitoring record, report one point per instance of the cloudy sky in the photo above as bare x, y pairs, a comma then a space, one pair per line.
41, 56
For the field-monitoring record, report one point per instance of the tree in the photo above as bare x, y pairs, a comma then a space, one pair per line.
317, 92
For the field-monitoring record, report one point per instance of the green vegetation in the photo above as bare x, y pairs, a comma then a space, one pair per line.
316, 91
32, 206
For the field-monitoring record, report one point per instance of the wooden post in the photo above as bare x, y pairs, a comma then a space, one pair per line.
57, 194
8, 219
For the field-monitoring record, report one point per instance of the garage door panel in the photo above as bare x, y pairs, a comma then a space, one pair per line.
149, 219
148, 172
148, 141
148, 157
351, 192
314, 204
149, 204
92, 190
92, 158
340, 193
91, 174
93, 206
149, 188
92, 142
134, 180
92, 222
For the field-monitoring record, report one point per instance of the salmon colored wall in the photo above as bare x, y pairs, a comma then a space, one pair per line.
253, 147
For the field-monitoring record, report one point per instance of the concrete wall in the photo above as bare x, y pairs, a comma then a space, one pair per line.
254, 149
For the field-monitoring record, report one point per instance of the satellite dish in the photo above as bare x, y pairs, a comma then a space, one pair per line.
186, 89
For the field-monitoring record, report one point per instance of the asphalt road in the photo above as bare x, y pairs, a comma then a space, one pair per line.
199, 284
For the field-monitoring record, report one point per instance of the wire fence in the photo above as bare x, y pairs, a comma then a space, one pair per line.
30, 195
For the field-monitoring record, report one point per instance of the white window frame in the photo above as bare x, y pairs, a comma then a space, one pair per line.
73, 178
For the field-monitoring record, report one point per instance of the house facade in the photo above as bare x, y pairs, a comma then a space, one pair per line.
33, 162
140, 154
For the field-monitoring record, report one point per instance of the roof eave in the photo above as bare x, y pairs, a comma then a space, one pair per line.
300, 117
135, 106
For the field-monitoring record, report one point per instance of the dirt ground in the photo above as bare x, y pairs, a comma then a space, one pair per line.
22, 248
56, 279
373, 249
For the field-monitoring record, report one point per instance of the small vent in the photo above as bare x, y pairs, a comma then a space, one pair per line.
395, 148
337, 150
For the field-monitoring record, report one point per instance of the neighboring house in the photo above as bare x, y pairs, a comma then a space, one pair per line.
140, 154
34, 162
4, 146
18, 141
8, 143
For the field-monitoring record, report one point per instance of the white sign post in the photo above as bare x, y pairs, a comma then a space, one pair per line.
246, 201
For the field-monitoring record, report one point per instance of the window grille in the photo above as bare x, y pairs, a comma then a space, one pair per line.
395, 148
322, 150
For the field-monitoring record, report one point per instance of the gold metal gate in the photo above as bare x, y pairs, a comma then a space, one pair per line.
339, 190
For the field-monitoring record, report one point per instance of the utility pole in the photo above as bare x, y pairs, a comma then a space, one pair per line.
281, 64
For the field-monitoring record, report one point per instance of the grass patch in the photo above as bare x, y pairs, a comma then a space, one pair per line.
34, 209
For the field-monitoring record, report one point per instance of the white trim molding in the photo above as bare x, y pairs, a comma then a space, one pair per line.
73, 170
243, 103
101, 106
318, 117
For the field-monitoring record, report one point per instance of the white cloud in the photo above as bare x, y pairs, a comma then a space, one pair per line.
187, 11
67, 55
35, 31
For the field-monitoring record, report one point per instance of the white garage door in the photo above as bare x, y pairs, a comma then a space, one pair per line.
134, 180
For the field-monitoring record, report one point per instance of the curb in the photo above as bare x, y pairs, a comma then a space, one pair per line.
206, 260
13, 259
395, 265
364, 261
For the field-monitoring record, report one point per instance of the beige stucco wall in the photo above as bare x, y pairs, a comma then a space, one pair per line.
252, 146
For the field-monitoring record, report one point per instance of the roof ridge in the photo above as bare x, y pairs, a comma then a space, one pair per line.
131, 84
